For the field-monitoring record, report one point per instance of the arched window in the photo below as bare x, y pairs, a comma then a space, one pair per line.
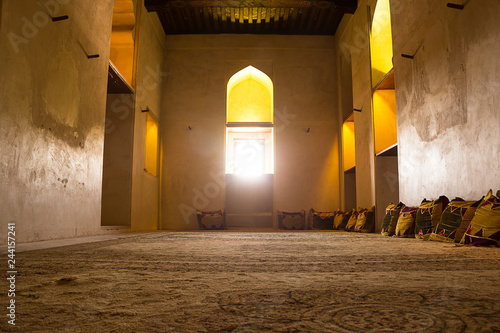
249, 97
249, 123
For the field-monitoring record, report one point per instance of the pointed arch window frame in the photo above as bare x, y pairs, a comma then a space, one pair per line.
263, 79
250, 130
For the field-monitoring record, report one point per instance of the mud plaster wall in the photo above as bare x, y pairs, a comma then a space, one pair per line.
148, 93
387, 190
447, 98
117, 162
52, 104
353, 47
306, 164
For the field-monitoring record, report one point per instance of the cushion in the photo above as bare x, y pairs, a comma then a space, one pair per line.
292, 220
321, 220
366, 220
345, 219
405, 227
455, 220
352, 221
337, 220
213, 220
484, 229
391, 218
428, 216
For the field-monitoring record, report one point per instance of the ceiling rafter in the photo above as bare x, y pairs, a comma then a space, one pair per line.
291, 17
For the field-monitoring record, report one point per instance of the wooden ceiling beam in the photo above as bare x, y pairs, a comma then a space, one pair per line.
303, 19
346, 6
319, 20
268, 20
170, 20
285, 20
216, 16
251, 16
312, 19
206, 17
224, 19
293, 24
179, 19
276, 19
328, 21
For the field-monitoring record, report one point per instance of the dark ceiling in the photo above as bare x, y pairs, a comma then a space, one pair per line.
283, 17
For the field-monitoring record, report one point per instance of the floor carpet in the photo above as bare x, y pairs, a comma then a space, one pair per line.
258, 282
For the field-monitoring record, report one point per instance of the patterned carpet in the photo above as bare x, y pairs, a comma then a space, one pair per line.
258, 282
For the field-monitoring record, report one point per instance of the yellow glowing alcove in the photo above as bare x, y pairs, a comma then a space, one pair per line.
348, 145
250, 97
151, 163
122, 38
381, 42
384, 119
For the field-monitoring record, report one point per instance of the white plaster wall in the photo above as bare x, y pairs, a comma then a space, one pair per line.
52, 105
303, 73
447, 98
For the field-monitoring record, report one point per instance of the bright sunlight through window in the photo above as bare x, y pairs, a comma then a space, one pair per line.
249, 131
249, 151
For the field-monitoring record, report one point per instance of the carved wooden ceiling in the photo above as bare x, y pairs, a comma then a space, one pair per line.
284, 17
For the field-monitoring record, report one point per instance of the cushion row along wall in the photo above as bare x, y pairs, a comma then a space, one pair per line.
455, 220
361, 220
484, 229
391, 218
459, 221
428, 216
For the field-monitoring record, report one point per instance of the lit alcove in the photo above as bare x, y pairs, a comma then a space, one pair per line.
349, 158
121, 55
151, 151
381, 42
384, 110
249, 149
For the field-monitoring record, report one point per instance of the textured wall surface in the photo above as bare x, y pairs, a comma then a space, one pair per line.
387, 190
130, 194
149, 80
52, 104
306, 164
353, 47
447, 98
117, 161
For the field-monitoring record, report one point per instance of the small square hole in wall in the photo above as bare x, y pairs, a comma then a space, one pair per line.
151, 163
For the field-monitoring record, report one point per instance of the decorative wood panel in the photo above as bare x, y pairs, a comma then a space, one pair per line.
255, 17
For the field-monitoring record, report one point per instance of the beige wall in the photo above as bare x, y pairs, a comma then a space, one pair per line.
353, 47
306, 164
387, 190
52, 104
148, 93
447, 98
130, 194
117, 161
